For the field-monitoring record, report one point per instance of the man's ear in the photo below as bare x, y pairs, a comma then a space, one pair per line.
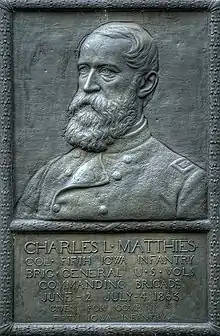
147, 84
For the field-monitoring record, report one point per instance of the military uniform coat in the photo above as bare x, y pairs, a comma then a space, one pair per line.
137, 178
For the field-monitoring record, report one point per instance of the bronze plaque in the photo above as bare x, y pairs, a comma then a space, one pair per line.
140, 277
109, 172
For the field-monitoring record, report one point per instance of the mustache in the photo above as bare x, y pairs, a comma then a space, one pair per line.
97, 102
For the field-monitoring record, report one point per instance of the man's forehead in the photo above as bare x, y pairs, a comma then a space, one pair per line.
103, 47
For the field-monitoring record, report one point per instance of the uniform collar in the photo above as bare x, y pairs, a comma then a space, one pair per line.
138, 135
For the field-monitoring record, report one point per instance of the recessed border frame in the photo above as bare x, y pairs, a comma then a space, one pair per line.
210, 226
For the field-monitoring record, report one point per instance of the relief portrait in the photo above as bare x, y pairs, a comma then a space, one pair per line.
116, 169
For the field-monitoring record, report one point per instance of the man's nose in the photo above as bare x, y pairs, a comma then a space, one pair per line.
91, 84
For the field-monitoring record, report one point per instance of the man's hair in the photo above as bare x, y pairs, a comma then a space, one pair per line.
143, 52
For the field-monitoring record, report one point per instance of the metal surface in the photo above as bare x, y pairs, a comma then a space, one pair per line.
114, 155
110, 278
107, 197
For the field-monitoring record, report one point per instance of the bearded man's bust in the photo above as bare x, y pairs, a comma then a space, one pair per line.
116, 170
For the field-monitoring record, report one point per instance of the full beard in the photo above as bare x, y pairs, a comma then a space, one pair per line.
96, 122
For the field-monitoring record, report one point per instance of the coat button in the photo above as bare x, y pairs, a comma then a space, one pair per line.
68, 172
56, 208
116, 175
127, 159
103, 209
76, 153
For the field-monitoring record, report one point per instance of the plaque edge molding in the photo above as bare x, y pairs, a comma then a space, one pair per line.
12, 5
87, 329
20, 225
7, 7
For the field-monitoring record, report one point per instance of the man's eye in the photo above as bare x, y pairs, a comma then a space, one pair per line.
107, 73
83, 70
